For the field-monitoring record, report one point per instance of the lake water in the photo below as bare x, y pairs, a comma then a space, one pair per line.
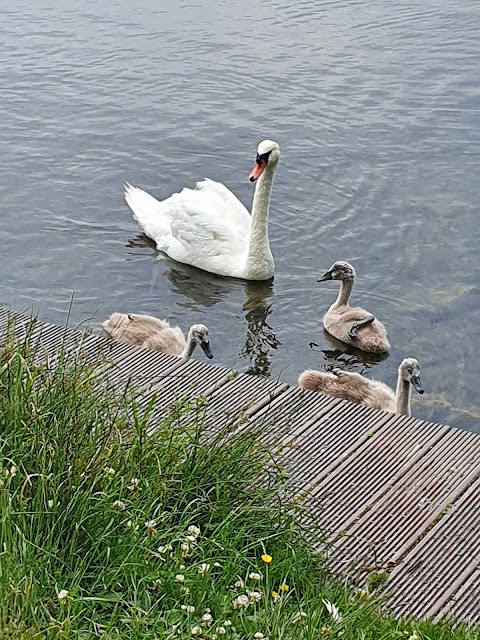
376, 106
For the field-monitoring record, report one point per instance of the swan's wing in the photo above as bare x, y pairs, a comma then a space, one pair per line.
208, 220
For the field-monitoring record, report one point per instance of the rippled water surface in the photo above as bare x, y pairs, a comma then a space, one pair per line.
376, 106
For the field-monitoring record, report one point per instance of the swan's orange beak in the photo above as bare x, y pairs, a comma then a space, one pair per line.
257, 170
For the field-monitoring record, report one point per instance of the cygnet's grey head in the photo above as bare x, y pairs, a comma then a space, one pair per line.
268, 154
339, 270
409, 369
199, 334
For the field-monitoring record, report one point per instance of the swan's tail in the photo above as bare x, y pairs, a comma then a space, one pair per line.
152, 215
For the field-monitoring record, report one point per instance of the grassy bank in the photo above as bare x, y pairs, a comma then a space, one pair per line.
107, 533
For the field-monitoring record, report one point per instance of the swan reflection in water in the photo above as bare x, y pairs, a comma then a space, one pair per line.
347, 357
200, 289
260, 338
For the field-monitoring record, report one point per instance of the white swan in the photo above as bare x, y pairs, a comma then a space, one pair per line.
151, 333
209, 228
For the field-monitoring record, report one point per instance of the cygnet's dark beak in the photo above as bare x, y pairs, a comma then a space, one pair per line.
206, 349
417, 385
326, 276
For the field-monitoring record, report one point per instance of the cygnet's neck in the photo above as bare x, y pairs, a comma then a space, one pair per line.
346, 287
403, 395
189, 347
260, 263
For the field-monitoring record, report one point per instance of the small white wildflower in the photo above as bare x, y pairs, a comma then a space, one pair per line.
12, 472
332, 610
180, 577
118, 504
109, 471
157, 585
181, 567
255, 596
217, 564
63, 596
191, 540
239, 584
185, 590
240, 601
299, 617
134, 485
258, 636
207, 618
254, 576
221, 631
227, 623
203, 568
188, 608
193, 530
185, 547
50, 504
196, 630
151, 526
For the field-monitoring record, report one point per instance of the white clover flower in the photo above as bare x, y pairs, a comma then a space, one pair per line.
254, 576
118, 504
193, 530
227, 623
217, 564
181, 567
180, 577
203, 568
50, 504
185, 547
188, 608
221, 631
196, 630
239, 584
151, 527
191, 540
299, 617
240, 601
109, 471
332, 610
207, 618
185, 590
255, 596
258, 636
63, 596
134, 485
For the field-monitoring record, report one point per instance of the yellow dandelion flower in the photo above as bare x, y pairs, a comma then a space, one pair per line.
275, 595
284, 587
266, 558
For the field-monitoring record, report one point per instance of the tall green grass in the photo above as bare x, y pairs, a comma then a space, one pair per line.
105, 532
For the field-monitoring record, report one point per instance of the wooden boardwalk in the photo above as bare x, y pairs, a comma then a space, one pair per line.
393, 495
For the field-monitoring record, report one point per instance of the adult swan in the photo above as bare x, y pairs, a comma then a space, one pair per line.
209, 228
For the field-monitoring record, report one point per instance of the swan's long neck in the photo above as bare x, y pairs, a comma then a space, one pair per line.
346, 287
260, 260
402, 396
189, 347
